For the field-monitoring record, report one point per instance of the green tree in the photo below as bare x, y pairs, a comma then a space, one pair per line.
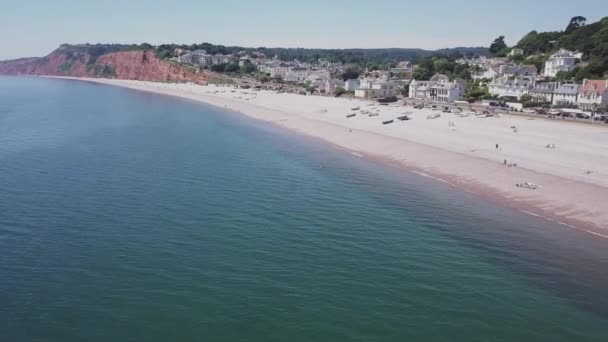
498, 45
339, 91
248, 68
575, 23
231, 67
424, 70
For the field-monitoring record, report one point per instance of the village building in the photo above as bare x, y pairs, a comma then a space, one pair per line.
352, 84
562, 60
438, 89
566, 94
376, 87
331, 85
593, 95
542, 92
511, 86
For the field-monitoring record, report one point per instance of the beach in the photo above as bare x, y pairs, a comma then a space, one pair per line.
563, 165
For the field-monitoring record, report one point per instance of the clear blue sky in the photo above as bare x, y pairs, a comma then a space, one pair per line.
36, 27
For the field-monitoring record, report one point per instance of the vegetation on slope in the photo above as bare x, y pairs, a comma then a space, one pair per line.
590, 39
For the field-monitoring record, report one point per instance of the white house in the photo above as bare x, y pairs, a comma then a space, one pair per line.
565, 94
295, 75
593, 95
352, 84
516, 52
562, 60
377, 87
511, 87
437, 89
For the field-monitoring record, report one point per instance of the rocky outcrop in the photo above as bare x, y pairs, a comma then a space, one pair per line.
132, 65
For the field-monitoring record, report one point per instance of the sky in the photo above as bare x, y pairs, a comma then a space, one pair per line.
36, 27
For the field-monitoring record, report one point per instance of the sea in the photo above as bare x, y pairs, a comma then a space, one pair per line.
129, 216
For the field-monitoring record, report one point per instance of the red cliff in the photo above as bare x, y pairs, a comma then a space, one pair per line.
133, 65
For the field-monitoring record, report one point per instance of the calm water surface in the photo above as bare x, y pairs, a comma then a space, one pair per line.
135, 217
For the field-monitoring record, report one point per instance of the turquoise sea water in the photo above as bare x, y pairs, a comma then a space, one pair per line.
128, 216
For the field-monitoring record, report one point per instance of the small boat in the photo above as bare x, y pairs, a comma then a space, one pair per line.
351, 115
407, 113
387, 122
403, 118
384, 104
435, 116
365, 112
356, 108
373, 114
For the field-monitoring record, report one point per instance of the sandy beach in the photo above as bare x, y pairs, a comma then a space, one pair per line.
571, 177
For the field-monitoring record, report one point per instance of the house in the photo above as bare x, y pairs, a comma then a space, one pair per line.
403, 68
331, 85
511, 86
352, 84
516, 52
562, 60
593, 95
565, 94
278, 71
446, 91
376, 87
295, 75
515, 70
542, 92
438, 89
418, 89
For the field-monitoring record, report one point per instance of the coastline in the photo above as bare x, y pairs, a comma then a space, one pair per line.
465, 161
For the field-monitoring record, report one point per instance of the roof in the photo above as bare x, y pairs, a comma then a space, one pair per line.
567, 89
594, 86
439, 77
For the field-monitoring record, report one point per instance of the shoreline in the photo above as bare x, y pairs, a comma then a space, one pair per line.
565, 200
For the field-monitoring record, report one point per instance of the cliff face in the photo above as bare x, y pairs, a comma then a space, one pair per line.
133, 65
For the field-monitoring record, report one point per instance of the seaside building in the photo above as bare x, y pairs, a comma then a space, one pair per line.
593, 95
562, 60
331, 85
352, 84
438, 89
511, 86
376, 87
565, 94
542, 92
295, 75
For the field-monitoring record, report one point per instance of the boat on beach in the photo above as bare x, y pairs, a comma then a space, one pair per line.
351, 115
403, 118
387, 122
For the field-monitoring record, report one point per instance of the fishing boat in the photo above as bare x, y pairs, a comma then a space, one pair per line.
351, 115
387, 122
403, 118
373, 114
355, 108
431, 117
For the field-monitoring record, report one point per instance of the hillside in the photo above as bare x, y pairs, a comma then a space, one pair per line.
590, 39
137, 62
347, 56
